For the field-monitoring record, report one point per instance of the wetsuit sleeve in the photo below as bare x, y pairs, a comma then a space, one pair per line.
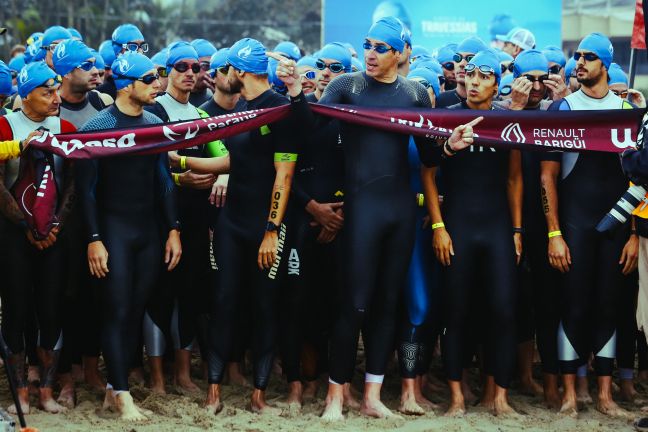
299, 192
428, 149
166, 193
333, 94
86, 176
9, 149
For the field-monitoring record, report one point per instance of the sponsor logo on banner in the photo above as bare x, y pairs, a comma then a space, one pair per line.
513, 133
627, 138
68, 147
560, 138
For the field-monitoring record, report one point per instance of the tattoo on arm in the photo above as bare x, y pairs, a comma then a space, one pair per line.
276, 196
545, 200
8, 205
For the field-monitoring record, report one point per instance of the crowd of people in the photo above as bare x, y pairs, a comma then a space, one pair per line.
290, 241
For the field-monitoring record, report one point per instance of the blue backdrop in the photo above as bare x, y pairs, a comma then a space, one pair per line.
434, 23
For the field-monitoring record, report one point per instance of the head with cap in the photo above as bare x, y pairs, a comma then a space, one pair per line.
99, 64
182, 67
75, 62
532, 66
517, 40
556, 58
136, 78
417, 51
248, 64
570, 75
618, 81
483, 75
288, 49
34, 52
219, 71
75, 33
505, 86
205, 50
383, 48
308, 72
593, 58
6, 82
351, 49
505, 60
466, 50
429, 80
127, 37
332, 60
38, 88
34, 37
431, 64
357, 65
108, 55
445, 57
15, 65
404, 63
52, 37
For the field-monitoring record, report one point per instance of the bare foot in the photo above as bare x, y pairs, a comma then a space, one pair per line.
552, 400
67, 395
501, 408
127, 409
582, 391
187, 387
375, 408
333, 410
23, 397
213, 403
350, 400
569, 408
530, 387
610, 408
410, 406
51, 406
457, 408
469, 396
259, 405
295, 395
628, 392
157, 386
310, 389
109, 401
235, 376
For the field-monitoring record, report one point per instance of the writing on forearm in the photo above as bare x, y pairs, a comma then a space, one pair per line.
545, 200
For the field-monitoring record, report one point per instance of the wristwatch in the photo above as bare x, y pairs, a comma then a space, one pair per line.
271, 227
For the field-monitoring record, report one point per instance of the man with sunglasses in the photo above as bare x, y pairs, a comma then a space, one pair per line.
556, 87
445, 56
75, 63
333, 60
619, 86
378, 241
204, 87
159, 60
578, 189
52, 37
128, 202
307, 69
34, 272
183, 289
466, 50
108, 55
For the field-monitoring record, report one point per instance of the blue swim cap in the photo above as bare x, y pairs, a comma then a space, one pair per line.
75, 33
429, 76
472, 45
6, 84
357, 64
107, 53
203, 47
123, 34
569, 68
600, 45
530, 60
17, 63
310, 61
407, 36
219, 59
160, 58
99, 61
389, 30
288, 49
488, 57
394, 9
35, 37
55, 33
431, 64
68, 55
274, 81
33, 75
180, 50
617, 75
248, 55
504, 57
348, 46
336, 51
554, 55
418, 50
506, 80
34, 52
446, 53
132, 65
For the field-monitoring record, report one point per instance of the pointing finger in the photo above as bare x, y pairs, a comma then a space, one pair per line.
476, 121
276, 56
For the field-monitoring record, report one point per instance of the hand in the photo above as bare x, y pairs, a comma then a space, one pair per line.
208, 81
637, 98
325, 236
174, 159
268, 250
32, 135
172, 250
520, 93
97, 259
517, 241
557, 87
630, 255
287, 73
197, 181
325, 214
219, 191
559, 256
442, 244
41, 244
462, 136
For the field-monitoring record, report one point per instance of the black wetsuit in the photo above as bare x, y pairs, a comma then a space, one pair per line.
108, 87
127, 202
379, 219
448, 98
240, 231
201, 97
477, 216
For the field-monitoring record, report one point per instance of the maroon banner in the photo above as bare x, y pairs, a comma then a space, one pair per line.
607, 131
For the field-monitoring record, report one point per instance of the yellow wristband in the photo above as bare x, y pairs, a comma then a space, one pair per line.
438, 225
176, 178
420, 199
553, 234
183, 162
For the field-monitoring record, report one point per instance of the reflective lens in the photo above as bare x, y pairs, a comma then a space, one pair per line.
310, 75
534, 79
380, 49
458, 57
555, 69
162, 72
148, 79
448, 66
506, 90
204, 66
134, 46
183, 67
622, 94
86, 66
333, 67
590, 57
224, 69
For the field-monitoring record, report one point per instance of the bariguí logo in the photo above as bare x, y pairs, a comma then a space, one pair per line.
627, 138
23, 77
123, 66
244, 52
560, 138
513, 133
60, 51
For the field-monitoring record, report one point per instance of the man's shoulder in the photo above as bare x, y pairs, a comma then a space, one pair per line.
149, 117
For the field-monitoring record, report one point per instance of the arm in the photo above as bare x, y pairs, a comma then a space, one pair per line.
559, 256
278, 204
10, 149
442, 243
515, 189
212, 165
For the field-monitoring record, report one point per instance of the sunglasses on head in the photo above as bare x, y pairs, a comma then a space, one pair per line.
310, 75
52, 82
485, 69
449, 66
183, 67
86, 66
621, 93
458, 57
380, 49
333, 67
535, 79
506, 90
50, 47
134, 46
555, 69
590, 57
162, 72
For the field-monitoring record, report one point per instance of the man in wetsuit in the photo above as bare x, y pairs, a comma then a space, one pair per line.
592, 265
37, 87
465, 51
379, 212
75, 62
203, 89
127, 202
